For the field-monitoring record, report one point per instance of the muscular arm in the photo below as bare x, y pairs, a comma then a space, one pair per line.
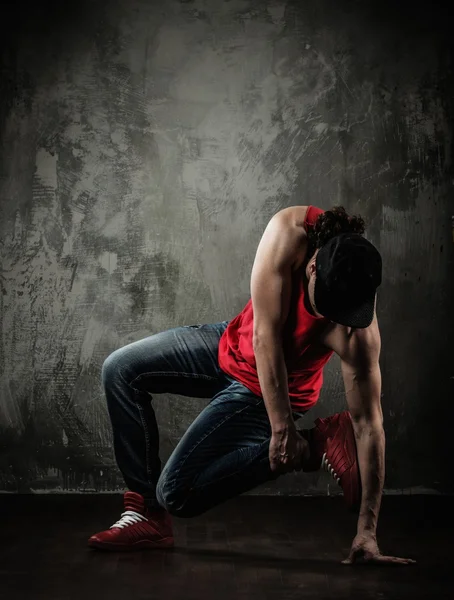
270, 294
362, 379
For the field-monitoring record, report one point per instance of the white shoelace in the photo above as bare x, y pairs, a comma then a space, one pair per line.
329, 468
130, 517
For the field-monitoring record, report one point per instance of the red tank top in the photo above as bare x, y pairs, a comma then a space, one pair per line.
304, 356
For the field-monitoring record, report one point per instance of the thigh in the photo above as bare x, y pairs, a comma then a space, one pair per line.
235, 419
183, 361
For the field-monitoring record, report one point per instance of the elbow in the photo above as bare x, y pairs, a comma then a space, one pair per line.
368, 425
265, 339
257, 344
256, 341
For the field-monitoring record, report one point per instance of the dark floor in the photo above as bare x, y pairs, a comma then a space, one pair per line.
253, 547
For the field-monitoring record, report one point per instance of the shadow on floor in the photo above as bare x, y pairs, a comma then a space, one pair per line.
252, 547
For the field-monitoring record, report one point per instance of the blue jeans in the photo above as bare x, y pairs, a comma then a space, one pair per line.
223, 453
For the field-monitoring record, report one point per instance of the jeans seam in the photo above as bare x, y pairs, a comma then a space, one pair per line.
140, 409
145, 430
200, 487
203, 438
152, 374
264, 459
147, 443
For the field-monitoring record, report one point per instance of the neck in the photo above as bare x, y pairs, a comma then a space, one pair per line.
307, 301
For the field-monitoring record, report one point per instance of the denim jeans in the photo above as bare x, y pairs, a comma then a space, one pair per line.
223, 453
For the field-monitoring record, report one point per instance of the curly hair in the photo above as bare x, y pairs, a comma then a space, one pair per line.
331, 223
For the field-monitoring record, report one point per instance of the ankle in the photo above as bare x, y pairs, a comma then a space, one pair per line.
152, 505
306, 435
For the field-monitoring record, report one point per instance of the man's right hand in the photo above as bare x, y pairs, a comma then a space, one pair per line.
287, 450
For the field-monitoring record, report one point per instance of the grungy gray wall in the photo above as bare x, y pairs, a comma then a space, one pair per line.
144, 147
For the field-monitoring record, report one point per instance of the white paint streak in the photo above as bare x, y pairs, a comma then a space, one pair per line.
46, 168
321, 128
94, 332
64, 437
10, 414
108, 261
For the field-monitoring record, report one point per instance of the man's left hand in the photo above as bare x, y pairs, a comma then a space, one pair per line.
365, 551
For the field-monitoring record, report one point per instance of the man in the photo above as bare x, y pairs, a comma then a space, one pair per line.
313, 290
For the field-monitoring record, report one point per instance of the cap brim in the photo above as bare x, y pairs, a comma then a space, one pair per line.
351, 314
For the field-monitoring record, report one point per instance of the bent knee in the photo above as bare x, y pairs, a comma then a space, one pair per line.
176, 500
111, 367
167, 495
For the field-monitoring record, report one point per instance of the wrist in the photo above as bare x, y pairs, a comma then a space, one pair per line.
283, 426
366, 527
367, 534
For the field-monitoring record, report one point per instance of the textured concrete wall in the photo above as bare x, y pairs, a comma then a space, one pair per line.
145, 145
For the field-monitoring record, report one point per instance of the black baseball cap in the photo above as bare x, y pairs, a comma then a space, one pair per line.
348, 273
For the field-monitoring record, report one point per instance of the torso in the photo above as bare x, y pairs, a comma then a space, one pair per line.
309, 340
333, 335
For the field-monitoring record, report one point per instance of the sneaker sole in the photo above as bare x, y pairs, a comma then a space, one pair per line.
141, 545
352, 497
351, 493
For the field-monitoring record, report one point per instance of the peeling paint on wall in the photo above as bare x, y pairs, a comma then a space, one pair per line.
143, 152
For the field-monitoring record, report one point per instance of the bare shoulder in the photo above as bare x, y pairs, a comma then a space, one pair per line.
354, 346
292, 216
288, 224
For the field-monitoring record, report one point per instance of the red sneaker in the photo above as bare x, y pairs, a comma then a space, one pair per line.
332, 446
138, 529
